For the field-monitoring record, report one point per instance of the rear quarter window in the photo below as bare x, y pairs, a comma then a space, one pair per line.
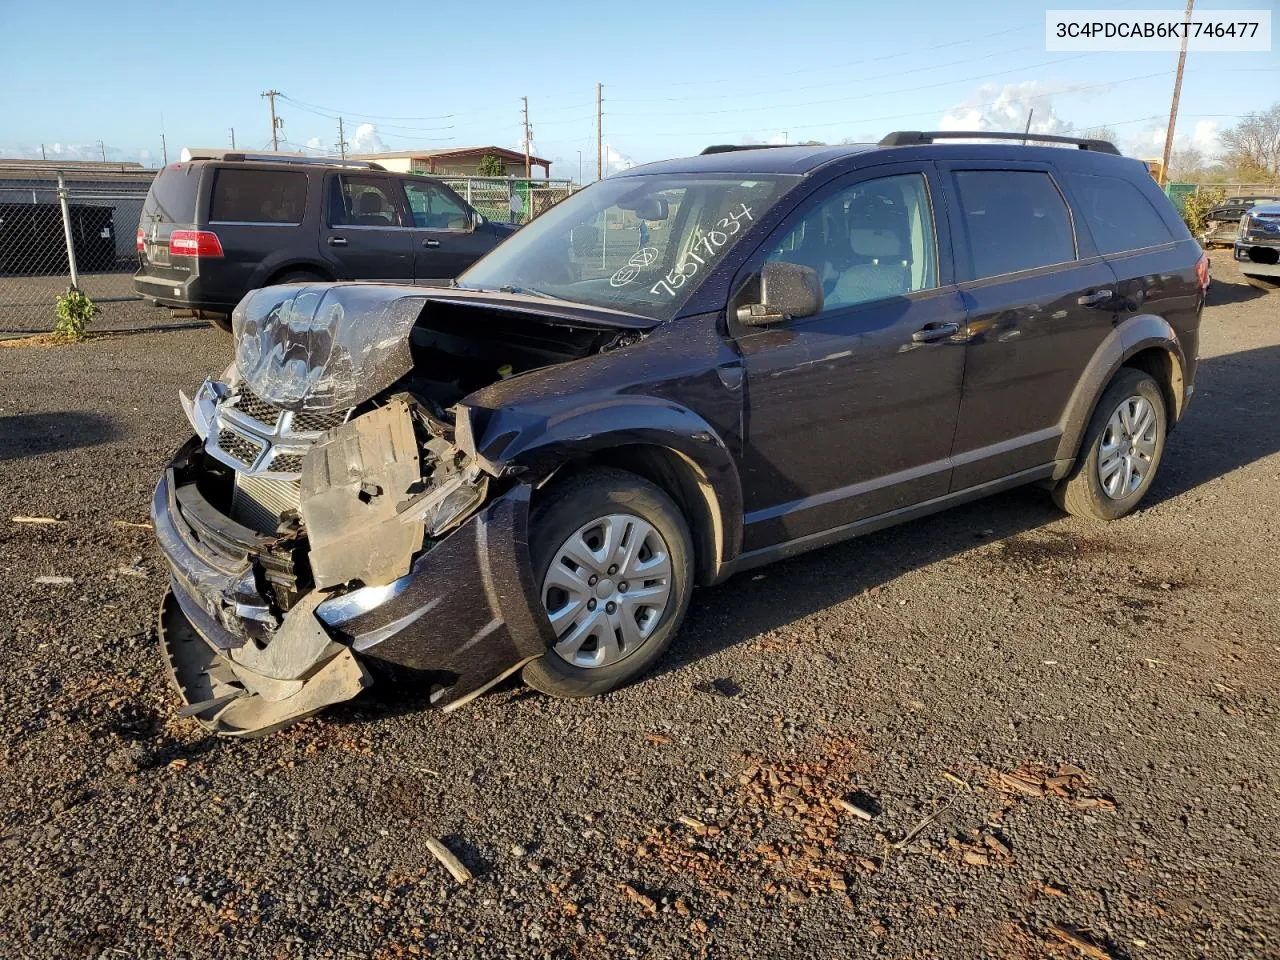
1014, 220
1119, 216
258, 196
172, 197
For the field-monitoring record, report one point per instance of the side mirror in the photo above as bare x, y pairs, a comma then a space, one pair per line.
787, 291
477, 219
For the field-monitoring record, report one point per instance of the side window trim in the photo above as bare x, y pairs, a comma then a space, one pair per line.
938, 203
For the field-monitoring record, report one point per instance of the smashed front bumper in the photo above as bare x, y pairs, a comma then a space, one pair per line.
459, 621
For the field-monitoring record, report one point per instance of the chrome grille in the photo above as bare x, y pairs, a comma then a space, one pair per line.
304, 421
239, 447
259, 502
286, 463
252, 405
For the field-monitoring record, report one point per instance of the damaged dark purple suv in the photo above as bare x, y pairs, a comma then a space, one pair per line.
681, 372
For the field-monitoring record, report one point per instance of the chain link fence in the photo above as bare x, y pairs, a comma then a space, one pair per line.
60, 228
508, 200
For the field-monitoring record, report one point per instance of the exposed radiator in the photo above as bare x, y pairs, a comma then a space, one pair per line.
258, 502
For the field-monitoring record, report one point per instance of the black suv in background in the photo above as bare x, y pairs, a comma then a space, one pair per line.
221, 224
684, 371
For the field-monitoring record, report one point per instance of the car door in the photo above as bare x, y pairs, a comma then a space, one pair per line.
1040, 301
850, 413
364, 235
446, 235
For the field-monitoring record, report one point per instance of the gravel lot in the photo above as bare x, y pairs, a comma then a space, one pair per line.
1060, 730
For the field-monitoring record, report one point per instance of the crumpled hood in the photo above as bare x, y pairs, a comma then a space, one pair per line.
325, 347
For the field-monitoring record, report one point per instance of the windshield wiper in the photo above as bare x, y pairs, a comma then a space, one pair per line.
528, 292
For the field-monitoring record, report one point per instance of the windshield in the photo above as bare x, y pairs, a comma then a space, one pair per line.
640, 243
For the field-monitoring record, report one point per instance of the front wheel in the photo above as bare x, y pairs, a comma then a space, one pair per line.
1121, 450
614, 560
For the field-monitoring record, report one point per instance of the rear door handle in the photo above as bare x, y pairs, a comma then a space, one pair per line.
430, 243
935, 331
1096, 299
337, 241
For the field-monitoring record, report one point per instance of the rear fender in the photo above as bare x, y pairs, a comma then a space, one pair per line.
1127, 340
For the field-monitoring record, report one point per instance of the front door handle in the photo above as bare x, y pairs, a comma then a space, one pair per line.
935, 331
430, 243
1096, 299
337, 241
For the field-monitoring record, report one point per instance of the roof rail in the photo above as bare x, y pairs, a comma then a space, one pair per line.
906, 138
735, 147
268, 156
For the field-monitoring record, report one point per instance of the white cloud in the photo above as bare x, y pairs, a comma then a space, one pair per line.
366, 140
76, 151
1148, 141
615, 162
996, 107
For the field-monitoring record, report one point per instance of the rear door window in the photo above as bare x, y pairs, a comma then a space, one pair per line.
362, 202
434, 208
258, 196
1117, 213
1013, 220
172, 197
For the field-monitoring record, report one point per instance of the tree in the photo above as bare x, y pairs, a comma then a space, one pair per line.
1252, 147
1187, 164
491, 166
1100, 133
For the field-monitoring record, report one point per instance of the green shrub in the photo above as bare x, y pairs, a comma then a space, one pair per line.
1196, 205
74, 310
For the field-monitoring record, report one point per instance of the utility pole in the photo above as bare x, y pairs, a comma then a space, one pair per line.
164, 148
342, 140
233, 138
275, 121
1031, 112
599, 132
1177, 93
103, 148
43, 157
525, 100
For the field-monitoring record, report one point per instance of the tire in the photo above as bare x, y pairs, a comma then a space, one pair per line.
1083, 493
1262, 283
299, 276
566, 515
220, 320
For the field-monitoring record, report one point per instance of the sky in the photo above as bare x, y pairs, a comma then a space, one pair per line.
677, 76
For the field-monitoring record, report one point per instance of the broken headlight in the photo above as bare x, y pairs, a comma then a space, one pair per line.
323, 347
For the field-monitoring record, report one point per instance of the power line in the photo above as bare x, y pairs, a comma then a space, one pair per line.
861, 96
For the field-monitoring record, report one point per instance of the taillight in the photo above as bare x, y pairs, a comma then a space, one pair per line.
1202, 271
142, 243
194, 243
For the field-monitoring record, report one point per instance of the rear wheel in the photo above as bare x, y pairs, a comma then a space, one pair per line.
1121, 450
614, 561
300, 276
220, 320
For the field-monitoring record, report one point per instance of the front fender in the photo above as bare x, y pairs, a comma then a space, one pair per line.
1126, 340
536, 446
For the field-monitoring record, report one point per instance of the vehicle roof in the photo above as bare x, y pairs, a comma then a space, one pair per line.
805, 159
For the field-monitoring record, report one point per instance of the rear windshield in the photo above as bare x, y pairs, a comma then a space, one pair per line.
258, 196
172, 198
